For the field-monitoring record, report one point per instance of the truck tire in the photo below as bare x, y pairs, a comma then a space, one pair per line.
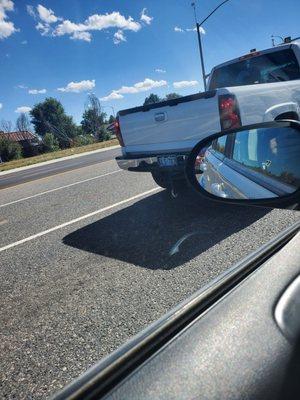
160, 179
175, 187
178, 188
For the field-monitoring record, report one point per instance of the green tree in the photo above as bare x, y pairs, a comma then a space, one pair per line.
151, 99
9, 150
93, 118
111, 119
49, 117
104, 133
50, 143
172, 96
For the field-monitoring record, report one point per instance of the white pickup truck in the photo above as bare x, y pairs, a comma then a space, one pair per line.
257, 87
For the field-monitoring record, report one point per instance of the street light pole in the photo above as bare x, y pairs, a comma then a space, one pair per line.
200, 46
201, 56
198, 26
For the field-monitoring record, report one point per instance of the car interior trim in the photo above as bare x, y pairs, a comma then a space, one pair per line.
98, 380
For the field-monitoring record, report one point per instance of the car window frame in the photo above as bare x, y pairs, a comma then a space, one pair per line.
218, 154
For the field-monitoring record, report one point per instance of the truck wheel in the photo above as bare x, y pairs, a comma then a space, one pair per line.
160, 179
178, 188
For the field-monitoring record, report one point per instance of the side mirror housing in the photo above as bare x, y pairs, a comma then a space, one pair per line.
254, 165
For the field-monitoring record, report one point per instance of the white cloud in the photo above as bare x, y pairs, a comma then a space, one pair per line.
145, 18
202, 30
77, 87
44, 29
97, 22
184, 84
31, 11
85, 36
47, 15
113, 96
68, 28
23, 109
147, 84
1, 106
119, 37
22, 87
7, 28
51, 25
160, 71
37, 91
5, 5
182, 30
24, 42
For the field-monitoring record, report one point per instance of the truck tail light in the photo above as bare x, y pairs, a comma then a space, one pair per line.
229, 112
118, 132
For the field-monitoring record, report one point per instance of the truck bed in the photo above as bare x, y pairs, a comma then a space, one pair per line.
169, 126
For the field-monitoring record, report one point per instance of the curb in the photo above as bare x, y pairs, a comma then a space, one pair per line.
58, 160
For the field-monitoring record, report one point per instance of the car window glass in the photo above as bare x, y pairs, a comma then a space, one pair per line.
220, 144
272, 152
245, 148
267, 68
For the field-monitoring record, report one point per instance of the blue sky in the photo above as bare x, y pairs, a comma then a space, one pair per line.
66, 49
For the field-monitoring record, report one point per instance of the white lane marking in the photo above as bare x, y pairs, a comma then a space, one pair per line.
59, 188
74, 221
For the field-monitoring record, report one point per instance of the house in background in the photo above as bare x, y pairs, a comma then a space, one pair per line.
111, 129
30, 143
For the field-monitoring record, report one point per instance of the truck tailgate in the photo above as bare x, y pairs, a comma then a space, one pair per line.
170, 125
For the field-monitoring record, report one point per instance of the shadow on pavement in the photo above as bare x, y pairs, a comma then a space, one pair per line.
146, 233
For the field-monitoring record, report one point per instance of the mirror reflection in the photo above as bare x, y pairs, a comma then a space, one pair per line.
252, 164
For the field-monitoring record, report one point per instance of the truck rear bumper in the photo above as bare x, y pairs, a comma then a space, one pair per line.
153, 163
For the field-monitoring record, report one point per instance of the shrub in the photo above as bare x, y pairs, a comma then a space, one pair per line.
9, 150
50, 143
104, 134
83, 140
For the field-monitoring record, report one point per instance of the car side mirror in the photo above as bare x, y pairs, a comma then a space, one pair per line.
256, 164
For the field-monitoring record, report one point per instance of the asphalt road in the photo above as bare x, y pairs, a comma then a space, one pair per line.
57, 167
88, 260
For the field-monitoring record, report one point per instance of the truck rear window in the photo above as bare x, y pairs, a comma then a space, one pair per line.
277, 66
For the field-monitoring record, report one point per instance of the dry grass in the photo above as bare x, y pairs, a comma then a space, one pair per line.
56, 154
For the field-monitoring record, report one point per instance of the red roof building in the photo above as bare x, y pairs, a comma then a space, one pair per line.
19, 136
